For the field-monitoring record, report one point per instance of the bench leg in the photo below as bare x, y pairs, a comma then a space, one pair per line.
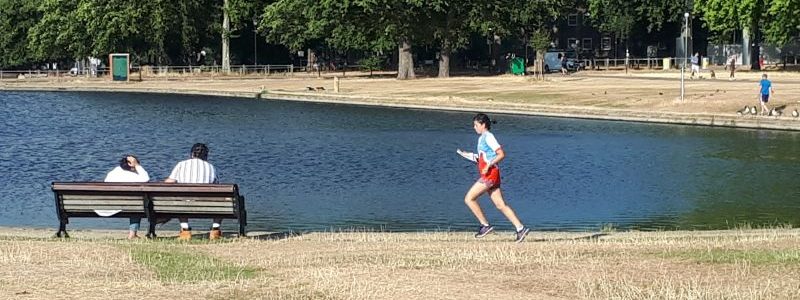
62, 231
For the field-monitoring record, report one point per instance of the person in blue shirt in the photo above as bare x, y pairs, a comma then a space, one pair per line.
489, 155
766, 90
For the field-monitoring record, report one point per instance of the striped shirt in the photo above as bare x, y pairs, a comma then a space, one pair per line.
194, 170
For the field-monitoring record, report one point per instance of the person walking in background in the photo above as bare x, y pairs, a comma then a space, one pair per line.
196, 169
732, 66
564, 70
489, 155
695, 65
129, 170
766, 90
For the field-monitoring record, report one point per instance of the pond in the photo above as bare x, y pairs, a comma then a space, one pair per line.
318, 167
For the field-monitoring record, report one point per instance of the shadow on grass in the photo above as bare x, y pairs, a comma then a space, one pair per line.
592, 237
275, 236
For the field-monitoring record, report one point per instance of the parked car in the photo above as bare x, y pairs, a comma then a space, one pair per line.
552, 61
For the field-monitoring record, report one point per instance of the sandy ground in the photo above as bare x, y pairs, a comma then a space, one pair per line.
637, 96
733, 264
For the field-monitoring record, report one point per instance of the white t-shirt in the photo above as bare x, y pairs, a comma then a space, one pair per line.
120, 175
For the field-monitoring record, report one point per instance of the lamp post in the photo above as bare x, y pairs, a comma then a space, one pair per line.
255, 41
685, 50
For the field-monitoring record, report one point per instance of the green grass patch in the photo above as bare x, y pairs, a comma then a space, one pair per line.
173, 264
727, 256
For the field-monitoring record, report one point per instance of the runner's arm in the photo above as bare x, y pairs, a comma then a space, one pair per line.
468, 155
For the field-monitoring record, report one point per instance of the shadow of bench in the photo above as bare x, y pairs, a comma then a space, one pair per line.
151, 201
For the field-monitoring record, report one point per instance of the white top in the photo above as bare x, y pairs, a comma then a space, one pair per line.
120, 175
194, 170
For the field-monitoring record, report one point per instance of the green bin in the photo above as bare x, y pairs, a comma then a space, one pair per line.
517, 66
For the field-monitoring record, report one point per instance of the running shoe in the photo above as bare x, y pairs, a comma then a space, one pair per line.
521, 234
483, 231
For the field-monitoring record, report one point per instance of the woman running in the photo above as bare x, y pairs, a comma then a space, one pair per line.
489, 155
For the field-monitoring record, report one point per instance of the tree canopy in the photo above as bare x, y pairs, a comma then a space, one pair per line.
173, 31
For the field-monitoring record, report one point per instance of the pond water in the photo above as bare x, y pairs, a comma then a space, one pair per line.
305, 166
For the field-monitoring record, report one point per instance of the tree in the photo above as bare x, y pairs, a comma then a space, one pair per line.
365, 25
16, 18
452, 23
785, 23
59, 34
152, 31
723, 17
540, 41
621, 18
534, 22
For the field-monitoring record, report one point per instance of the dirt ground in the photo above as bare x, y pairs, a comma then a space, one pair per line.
594, 92
733, 264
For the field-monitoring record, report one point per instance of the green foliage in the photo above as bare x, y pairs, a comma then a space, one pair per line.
785, 23
60, 33
16, 18
723, 17
777, 19
540, 40
163, 31
622, 17
371, 63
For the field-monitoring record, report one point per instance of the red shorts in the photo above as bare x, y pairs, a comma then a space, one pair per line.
492, 178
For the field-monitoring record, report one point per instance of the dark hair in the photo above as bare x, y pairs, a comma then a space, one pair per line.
200, 151
123, 162
482, 118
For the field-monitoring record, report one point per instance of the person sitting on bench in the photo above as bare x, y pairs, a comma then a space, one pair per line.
129, 170
196, 169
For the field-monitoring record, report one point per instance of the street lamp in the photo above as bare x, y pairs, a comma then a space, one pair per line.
685, 50
255, 42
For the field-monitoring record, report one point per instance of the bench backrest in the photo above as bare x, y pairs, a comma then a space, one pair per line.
138, 199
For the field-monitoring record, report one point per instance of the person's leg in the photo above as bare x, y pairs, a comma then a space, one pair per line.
133, 228
497, 198
184, 223
186, 231
471, 199
215, 232
764, 108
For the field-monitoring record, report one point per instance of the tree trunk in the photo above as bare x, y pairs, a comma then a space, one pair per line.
755, 53
405, 65
444, 60
540, 64
312, 59
226, 39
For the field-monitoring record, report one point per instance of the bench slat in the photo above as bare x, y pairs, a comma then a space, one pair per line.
143, 187
101, 197
190, 198
192, 203
103, 202
70, 208
193, 209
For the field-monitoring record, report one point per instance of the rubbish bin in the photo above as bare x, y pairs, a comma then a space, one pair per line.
666, 63
517, 66
705, 63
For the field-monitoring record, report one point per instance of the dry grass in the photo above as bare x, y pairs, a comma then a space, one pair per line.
734, 264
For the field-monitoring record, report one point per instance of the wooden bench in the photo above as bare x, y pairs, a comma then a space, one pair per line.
151, 201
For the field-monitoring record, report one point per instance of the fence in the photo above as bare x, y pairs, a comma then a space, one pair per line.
168, 72
633, 63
